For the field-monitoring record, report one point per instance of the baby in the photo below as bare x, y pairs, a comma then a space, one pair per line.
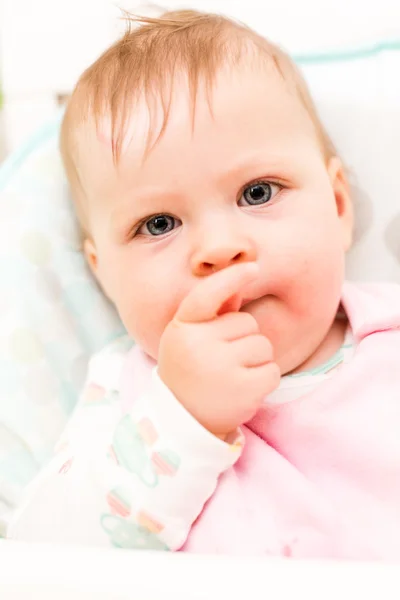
259, 410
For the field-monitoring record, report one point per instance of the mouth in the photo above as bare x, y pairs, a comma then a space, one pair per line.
247, 301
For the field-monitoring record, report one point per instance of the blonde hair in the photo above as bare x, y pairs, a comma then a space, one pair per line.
143, 63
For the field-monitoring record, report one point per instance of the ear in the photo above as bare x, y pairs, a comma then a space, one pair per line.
90, 252
344, 206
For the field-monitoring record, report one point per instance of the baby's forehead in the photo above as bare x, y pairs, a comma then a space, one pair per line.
233, 97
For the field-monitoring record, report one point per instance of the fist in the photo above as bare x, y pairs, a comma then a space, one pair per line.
213, 358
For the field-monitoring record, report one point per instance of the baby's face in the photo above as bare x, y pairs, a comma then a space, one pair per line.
248, 183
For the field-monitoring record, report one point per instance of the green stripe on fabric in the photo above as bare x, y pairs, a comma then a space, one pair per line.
327, 366
347, 55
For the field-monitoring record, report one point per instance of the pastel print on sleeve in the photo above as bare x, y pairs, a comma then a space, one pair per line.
133, 448
126, 532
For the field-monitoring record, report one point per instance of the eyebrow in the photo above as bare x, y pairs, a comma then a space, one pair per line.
139, 204
257, 161
149, 196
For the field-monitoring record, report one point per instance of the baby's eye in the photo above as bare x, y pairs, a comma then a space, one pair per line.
259, 193
158, 225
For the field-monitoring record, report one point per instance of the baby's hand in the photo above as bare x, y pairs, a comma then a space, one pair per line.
218, 365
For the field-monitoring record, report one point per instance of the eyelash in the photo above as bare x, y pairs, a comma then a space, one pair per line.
134, 232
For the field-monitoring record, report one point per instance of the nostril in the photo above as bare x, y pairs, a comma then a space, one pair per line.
210, 267
207, 268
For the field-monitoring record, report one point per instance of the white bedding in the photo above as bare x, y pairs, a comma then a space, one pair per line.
30, 572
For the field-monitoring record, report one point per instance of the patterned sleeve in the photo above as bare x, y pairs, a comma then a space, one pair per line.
137, 480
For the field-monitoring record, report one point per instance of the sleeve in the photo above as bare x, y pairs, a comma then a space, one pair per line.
137, 480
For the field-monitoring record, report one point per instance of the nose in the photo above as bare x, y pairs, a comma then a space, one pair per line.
221, 248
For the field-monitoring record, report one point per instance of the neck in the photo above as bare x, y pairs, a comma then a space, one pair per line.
328, 347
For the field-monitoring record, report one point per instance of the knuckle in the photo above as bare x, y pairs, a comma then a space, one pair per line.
173, 332
262, 346
267, 377
181, 337
266, 346
249, 321
272, 376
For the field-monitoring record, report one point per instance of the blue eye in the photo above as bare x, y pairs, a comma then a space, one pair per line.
259, 193
158, 225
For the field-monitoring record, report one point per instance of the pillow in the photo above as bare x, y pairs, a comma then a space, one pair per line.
53, 315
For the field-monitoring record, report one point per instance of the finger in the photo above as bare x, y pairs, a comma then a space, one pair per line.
253, 350
264, 378
234, 326
261, 381
207, 298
